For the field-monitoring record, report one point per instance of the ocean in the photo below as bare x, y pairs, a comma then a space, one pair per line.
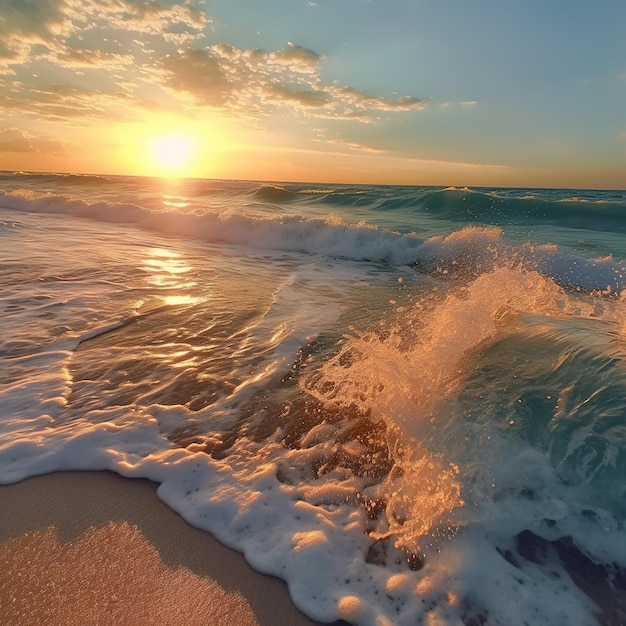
407, 402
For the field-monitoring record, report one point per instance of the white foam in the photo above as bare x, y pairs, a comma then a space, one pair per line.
604, 274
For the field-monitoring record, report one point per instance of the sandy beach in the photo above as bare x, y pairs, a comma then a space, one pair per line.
94, 548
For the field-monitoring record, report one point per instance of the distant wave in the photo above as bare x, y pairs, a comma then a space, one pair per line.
465, 252
464, 205
577, 209
328, 237
82, 179
274, 193
489, 207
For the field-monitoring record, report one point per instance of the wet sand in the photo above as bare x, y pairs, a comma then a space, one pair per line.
94, 548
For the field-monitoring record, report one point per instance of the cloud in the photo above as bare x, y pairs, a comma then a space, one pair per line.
303, 98
87, 58
386, 159
26, 25
198, 73
64, 102
149, 54
181, 20
358, 147
16, 140
361, 101
99, 52
254, 82
296, 55
464, 103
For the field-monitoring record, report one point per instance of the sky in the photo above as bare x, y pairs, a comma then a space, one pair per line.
517, 93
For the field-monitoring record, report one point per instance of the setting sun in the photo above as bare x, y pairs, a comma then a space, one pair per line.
171, 146
172, 154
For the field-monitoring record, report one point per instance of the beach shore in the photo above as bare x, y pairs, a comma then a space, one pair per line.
94, 548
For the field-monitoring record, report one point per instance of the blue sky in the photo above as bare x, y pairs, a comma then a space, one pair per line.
456, 92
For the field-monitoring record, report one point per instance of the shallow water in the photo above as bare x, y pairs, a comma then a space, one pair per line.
409, 403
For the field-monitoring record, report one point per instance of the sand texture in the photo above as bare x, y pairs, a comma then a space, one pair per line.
93, 548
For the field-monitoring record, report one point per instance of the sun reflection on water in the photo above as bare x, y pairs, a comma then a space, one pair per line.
174, 202
178, 300
166, 266
168, 271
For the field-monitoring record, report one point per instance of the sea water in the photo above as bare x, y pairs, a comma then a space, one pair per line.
407, 402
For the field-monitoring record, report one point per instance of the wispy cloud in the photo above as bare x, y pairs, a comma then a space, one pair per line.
355, 146
16, 140
61, 102
88, 58
387, 159
464, 103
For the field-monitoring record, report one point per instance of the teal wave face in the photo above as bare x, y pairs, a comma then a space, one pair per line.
574, 209
560, 386
488, 208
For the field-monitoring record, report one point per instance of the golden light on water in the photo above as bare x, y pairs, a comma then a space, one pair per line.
167, 270
174, 202
178, 300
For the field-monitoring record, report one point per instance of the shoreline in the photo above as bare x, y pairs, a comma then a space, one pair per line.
139, 543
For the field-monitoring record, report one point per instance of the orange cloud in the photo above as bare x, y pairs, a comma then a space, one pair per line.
16, 140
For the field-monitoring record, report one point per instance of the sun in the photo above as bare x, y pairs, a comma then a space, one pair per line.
171, 147
172, 154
